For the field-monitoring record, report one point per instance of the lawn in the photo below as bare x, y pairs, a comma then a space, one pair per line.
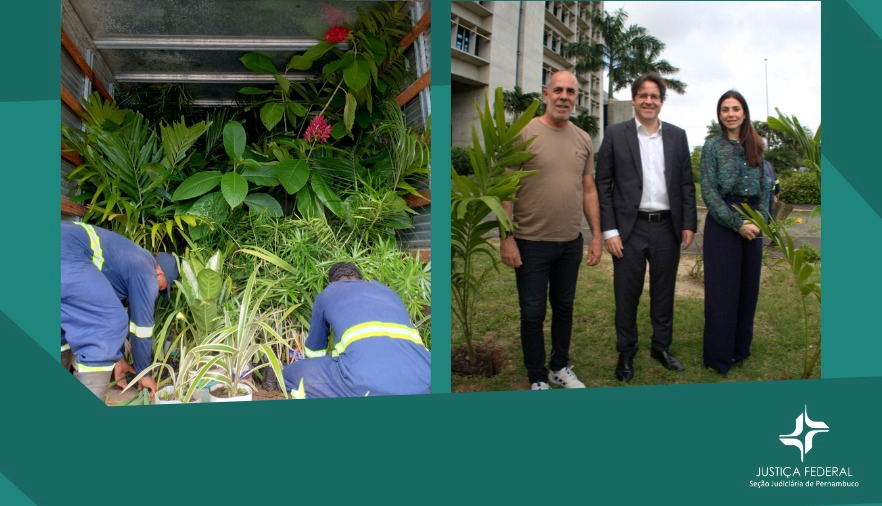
777, 352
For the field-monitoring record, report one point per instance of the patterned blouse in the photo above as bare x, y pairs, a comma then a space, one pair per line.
725, 173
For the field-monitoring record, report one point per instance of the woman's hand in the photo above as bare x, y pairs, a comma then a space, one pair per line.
749, 231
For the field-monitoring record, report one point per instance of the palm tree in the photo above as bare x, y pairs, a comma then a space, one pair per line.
516, 101
626, 52
586, 122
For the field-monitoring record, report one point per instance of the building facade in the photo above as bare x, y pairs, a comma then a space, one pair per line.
508, 44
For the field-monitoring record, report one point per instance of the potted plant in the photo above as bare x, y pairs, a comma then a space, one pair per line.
243, 338
181, 386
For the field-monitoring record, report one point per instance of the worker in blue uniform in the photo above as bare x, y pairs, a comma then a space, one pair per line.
377, 350
103, 274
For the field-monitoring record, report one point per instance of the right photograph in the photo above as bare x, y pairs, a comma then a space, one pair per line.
635, 193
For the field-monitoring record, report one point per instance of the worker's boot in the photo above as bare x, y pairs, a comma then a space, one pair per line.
96, 382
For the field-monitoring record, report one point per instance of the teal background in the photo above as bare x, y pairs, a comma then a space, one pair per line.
687, 444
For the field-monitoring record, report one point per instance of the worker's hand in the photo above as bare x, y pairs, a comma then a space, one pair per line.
147, 382
614, 246
508, 250
595, 250
688, 235
119, 372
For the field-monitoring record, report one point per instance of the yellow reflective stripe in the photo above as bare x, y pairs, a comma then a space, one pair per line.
94, 368
377, 329
142, 332
65, 347
95, 244
314, 353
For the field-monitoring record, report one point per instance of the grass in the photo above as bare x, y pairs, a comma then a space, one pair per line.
777, 350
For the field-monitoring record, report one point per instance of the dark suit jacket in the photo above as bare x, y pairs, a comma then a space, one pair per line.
619, 178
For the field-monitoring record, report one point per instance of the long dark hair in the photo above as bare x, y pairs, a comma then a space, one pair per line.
748, 137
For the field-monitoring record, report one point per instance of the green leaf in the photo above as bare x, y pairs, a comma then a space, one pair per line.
349, 111
196, 185
284, 83
296, 109
251, 90
211, 207
210, 284
259, 174
271, 114
234, 188
338, 131
259, 63
327, 196
317, 51
293, 174
234, 140
357, 75
264, 202
308, 205
298, 62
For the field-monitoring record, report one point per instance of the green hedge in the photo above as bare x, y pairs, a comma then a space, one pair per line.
459, 160
801, 188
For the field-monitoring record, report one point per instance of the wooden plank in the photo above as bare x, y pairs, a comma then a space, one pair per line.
70, 100
74, 53
417, 29
414, 89
71, 155
72, 209
423, 200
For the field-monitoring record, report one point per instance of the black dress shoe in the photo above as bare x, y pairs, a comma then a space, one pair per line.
625, 367
666, 359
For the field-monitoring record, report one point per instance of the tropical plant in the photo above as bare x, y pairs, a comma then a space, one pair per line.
191, 375
810, 144
516, 101
474, 198
128, 170
235, 184
243, 339
802, 269
204, 288
626, 52
368, 70
586, 122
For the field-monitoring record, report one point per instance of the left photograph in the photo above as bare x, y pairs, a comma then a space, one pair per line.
245, 199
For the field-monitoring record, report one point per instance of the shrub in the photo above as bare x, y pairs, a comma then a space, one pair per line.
801, 188
459, 160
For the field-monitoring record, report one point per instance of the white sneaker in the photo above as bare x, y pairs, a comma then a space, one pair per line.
565, 378
540, 385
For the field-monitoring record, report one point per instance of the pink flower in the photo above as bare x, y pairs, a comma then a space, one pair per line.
336, 34
318, 130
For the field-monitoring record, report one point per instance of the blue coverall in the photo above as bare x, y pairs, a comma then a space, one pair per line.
377, 350
100, 272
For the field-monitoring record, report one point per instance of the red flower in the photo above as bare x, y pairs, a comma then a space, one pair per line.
336, 34
318, 130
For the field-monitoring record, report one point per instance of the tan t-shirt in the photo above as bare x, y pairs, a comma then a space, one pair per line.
549, 204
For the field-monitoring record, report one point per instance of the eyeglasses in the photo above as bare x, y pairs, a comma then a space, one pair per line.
644, 96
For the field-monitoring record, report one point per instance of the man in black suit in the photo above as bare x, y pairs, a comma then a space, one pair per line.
647, 213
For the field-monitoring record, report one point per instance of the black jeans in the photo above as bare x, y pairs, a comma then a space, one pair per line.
549, 272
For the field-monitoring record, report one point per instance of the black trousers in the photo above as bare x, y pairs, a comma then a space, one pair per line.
548, 274
732, 267
653, 243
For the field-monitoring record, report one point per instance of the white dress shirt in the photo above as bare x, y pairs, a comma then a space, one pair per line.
652, 157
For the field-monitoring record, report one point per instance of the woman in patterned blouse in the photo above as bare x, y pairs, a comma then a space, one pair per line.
731, 174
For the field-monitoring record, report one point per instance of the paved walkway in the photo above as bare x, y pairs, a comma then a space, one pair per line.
808, 230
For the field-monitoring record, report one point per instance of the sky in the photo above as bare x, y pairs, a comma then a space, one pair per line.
735, 45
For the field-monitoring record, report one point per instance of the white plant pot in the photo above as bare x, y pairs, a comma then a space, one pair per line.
168, 390
246, 397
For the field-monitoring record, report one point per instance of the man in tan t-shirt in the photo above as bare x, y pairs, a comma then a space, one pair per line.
546, 247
